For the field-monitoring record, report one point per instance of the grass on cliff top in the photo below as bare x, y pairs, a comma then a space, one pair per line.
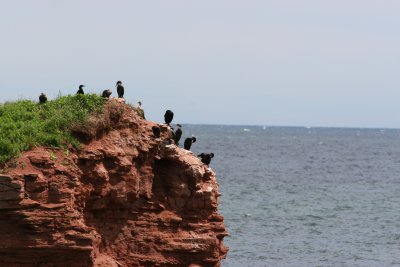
25, 124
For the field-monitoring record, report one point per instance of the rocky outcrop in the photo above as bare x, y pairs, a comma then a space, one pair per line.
125, 199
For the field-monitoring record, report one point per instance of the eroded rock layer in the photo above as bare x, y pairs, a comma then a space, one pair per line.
126, 199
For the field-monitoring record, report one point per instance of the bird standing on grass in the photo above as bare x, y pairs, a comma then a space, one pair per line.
106, 93
120, 89
42, 98
80, 91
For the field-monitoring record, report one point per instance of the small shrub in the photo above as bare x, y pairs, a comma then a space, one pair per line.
23, 165
53, 156
99, 123
138, 110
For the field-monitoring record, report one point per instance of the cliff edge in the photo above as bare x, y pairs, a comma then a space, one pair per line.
124, 199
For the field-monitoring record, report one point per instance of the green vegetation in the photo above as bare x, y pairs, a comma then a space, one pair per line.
25, 124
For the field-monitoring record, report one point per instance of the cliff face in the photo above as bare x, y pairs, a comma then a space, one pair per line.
126, 199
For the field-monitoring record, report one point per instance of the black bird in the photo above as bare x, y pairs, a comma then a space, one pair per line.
42, 98
80, 91
206, 158
168, 116
106, 93
188, 142
156, 131
120, 89
178, 134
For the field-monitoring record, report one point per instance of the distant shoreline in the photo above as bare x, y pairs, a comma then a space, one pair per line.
285, 126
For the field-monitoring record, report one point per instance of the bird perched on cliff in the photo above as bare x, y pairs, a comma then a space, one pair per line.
156, 131
178, 134
42, 98
188, 142
120, 89
106, 93
80, 91
168, 116
206, 158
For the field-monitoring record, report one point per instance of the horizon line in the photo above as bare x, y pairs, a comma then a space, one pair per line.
294, 126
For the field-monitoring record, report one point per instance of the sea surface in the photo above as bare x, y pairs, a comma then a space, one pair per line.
306, 196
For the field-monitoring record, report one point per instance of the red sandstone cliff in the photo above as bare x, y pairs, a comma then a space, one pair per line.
126, 199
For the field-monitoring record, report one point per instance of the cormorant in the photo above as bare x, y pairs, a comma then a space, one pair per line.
106, 93
156, 131
120, 89
206, 158
42, 98
188, 142
178, 134
168, 116
80, 91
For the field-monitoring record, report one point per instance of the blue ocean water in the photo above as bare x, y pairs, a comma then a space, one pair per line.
306, 196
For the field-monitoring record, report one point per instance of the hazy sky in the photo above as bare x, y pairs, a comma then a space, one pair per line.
267, 62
